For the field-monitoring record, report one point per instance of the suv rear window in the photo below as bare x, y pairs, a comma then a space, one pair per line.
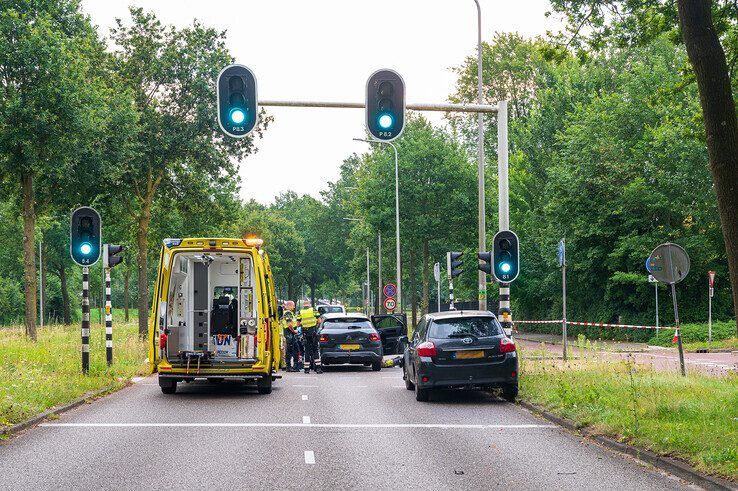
345, 322
335, 309
476, 326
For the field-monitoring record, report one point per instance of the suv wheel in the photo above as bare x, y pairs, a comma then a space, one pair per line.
408, 385
377, 365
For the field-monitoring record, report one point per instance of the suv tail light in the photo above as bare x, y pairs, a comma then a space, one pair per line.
323, 338
162, 341
374, 337
507, 345
426, 349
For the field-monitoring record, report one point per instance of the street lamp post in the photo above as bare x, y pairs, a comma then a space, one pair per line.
397, 217
480, 164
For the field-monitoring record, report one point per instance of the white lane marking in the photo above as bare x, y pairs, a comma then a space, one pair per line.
398, 386
358, 386
305, 386
306, 420
299, 425
136, 380
394, 376
309, 457
304, 397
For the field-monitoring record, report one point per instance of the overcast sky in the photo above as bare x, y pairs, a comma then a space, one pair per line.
325, 50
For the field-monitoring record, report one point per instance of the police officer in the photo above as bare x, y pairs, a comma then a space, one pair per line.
309, 322
291, 342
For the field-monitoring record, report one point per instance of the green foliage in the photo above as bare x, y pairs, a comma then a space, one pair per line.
692, 418
32, 381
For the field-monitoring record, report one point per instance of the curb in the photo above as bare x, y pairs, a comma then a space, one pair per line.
89, 396
667, 464
573, 343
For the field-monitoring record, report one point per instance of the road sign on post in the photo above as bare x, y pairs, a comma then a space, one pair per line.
711, 281
238, 105
390, 304
390, 290
385, 105
669, 263
437, 276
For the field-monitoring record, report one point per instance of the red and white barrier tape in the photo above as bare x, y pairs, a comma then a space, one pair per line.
594, 324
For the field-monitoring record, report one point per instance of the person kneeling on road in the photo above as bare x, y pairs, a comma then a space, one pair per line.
307, 318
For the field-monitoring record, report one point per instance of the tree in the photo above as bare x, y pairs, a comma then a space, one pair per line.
171, 72
56, 106
702, 24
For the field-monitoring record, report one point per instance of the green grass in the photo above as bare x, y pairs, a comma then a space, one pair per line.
37, 376
696, 333
694, 418
729, 344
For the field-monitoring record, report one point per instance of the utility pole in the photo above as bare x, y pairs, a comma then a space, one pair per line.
482, 276
379, 272
41, 285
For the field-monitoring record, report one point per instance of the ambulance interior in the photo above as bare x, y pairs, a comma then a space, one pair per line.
212, 311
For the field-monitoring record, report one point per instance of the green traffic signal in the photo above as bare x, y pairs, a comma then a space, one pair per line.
84, 236
385, 105
238, 105
505, 256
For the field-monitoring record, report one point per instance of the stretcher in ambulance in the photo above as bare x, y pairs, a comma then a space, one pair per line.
214, 314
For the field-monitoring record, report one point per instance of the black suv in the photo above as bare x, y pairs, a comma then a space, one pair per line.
460, 349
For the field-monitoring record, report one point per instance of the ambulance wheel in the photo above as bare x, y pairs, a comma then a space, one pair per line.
168, 385
264, 385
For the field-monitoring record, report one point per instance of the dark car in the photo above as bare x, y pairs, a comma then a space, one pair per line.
350, 339
392, 328
460, 349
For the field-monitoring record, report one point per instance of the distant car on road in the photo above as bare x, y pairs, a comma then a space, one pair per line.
330, 309
350, 339
460, 350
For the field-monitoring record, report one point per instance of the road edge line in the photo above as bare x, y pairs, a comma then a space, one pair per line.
55, 411
673, 466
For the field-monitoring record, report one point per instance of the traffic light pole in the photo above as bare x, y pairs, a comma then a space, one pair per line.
108, 320
504, 311
85, 319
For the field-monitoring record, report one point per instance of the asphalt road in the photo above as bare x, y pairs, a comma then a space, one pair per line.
344, 429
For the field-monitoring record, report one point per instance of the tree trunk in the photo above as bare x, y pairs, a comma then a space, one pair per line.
426, 280
721, 127
312, 293
66, 302
413, 290
291, 289
126, 284
142, 243
29, 253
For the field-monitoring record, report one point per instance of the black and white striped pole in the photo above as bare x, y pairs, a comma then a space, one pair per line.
84, 247
85, 319
453, 263
108, 319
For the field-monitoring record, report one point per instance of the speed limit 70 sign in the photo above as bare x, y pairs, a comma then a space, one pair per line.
390, 303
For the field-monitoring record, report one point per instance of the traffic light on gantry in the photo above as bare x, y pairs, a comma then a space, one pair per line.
506, 256
110, 255
453, 262
84, 236
385, 105
238, 106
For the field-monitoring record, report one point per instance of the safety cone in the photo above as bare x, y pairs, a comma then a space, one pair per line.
676, 337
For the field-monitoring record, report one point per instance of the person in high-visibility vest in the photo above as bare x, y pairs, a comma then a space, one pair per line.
308, 320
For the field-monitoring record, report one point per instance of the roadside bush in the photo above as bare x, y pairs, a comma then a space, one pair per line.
692, 333
12, 301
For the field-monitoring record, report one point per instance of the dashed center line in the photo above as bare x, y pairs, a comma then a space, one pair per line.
309, 457
306, 420
305, 386
304, 397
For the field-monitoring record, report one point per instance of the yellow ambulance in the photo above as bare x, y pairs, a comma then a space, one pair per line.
214, 314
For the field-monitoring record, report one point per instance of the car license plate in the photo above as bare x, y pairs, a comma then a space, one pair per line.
468, 355
349, 347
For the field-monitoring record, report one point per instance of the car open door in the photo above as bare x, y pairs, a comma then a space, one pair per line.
391, 328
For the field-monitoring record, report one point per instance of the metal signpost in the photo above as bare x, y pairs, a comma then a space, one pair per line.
561, 253
669, 263
437, 276
651, 279
711, 292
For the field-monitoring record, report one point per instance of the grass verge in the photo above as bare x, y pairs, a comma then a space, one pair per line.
35, 377
694, 418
